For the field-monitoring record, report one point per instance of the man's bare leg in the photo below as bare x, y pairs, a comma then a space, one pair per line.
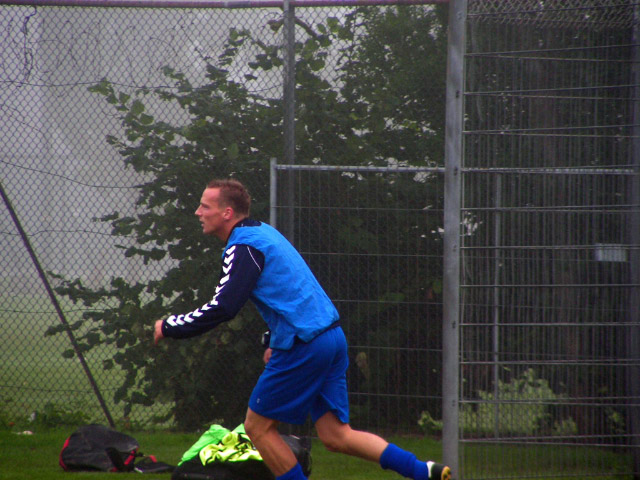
263, 432
340, 437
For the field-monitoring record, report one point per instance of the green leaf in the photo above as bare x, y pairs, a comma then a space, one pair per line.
92, 339
137, 107
317, 64
146, 119
69, 353
103, 87
233, 151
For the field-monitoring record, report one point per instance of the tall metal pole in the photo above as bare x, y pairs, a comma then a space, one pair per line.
273, 193
289, 89
452, 219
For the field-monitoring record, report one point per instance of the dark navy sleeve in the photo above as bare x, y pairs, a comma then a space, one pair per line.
241, 267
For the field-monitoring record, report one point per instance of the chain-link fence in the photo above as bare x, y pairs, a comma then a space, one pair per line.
549, 281
113, 118
112, 121
374, 234
60, 174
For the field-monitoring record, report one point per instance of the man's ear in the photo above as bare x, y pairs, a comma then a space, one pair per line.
228, 213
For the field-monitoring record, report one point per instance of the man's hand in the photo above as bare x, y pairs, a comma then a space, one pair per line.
267, 355
157, 332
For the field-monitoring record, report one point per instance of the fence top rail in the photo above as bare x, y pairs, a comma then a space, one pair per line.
361, 168
514, 170
215, 4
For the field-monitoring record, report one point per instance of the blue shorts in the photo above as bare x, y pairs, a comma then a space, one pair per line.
309, 379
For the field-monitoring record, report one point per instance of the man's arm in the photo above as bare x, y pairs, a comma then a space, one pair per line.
241, 267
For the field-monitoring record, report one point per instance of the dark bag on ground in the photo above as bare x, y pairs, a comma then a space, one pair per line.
244, 470
96, 447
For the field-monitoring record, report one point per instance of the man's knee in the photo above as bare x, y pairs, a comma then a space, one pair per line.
256, 426
334, 440
332, 444
332, 432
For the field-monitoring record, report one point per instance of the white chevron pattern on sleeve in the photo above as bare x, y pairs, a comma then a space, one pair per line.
227, 265
175, 320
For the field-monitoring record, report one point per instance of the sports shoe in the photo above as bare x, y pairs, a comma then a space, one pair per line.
437, 471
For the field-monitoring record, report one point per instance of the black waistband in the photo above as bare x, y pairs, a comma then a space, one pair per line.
335, 324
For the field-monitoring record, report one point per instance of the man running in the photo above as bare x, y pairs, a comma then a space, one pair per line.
306, 363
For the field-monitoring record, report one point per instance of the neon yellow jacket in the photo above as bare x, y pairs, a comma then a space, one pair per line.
218, 444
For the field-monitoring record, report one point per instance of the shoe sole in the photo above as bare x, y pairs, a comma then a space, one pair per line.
446, 474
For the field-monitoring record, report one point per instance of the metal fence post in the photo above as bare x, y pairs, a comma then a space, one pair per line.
288, 101
273, 192
451, 280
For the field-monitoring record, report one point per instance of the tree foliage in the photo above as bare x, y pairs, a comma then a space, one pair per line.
228, 128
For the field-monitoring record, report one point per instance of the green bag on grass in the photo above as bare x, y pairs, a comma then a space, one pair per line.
222, 454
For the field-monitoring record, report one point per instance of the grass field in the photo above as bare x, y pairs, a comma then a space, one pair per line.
36, 457
34, 376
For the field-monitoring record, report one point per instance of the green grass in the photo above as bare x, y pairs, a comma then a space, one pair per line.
36, 456
560, 462
35, 375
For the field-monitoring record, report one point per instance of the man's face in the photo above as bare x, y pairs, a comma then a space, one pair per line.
212, 215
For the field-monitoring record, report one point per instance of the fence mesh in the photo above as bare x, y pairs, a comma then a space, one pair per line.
79, 85
108, 110
374, 236
60, 173
550, 257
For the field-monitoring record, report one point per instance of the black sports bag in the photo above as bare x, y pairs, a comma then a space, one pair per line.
96, 447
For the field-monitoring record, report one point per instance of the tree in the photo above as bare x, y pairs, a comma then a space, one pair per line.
177, 160
230, 130
389, 112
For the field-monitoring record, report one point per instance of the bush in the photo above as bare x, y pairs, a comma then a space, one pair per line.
521, 407
429, 425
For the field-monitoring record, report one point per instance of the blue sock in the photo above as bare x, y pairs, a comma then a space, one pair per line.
403, 462
294, 474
